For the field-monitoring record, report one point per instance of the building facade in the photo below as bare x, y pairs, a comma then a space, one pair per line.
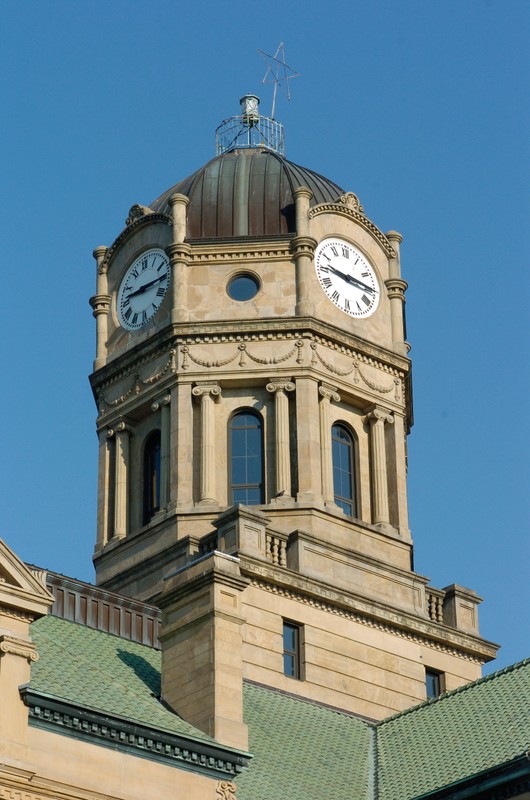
254, 564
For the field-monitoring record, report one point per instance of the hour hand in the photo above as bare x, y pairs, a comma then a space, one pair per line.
352, 280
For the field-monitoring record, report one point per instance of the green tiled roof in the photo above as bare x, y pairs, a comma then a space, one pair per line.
303, 750
462, 733
102, 672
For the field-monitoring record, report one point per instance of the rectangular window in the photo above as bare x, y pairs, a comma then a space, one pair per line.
434, 683
292, 647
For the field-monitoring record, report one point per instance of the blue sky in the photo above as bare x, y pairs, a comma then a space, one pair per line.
420, 107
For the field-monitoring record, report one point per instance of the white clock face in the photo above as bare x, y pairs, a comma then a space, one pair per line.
346, 277
142, 289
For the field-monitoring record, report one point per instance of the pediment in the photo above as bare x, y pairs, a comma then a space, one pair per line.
22, 589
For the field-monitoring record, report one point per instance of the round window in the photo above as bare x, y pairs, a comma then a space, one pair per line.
243, 287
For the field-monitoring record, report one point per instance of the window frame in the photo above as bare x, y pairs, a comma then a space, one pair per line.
232, 486
295, 654
151, 475
338, 499
438, 682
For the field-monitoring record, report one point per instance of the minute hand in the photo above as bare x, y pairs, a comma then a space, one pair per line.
352, 280
146, 286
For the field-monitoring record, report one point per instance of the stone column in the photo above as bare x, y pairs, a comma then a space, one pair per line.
283, 440
178, 253
308, 441
303, 248
327, 394
208, 393
104, 479
121, 433
100, 308
162, 405
396, 293
377, 418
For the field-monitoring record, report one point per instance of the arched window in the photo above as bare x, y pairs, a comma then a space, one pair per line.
342, 449
246, 458
151, 476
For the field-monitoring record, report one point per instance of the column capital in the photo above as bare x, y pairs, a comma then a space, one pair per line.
100, 304
121, 426
303, 246
329, 392
396, 288
280, 385
376, 413
165, 400
208, 389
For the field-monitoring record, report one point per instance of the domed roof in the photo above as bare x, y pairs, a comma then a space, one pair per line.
246, 193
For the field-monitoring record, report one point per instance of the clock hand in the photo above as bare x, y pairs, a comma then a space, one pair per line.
351, 279
146, 286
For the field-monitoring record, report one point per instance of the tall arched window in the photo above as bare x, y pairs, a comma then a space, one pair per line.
151, 476
342, 449
246, 459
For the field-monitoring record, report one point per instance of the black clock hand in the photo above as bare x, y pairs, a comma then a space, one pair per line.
146, 286
352, 280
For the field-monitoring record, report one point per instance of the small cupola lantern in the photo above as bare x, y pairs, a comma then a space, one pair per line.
249, 109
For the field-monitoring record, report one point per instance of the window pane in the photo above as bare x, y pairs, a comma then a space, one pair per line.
342, 456
246, 455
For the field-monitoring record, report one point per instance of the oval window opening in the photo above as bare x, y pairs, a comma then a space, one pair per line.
242, 287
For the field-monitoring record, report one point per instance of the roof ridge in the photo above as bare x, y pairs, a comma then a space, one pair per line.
466, 687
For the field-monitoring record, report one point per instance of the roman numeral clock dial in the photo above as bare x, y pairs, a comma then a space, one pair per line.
347, 278
142, 289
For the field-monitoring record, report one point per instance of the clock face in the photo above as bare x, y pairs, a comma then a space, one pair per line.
142, 289
346, 277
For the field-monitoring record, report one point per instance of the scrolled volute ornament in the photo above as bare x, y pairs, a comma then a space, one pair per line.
351, 199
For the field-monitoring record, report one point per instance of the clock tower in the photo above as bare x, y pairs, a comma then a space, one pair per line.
253, 387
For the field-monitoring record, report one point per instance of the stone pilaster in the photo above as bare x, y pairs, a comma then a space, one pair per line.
104, 479
327, 394
283, 441
377, 418
101, 307
308, 441
396, 294
202, 649
178, 252
181, 466
120, 433
208, 393
303, 248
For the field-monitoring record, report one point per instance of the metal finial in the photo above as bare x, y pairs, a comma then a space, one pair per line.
277, 72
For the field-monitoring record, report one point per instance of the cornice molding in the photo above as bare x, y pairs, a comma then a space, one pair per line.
304, 590
172, 749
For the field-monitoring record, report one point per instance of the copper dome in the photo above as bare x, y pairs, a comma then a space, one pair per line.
246, 193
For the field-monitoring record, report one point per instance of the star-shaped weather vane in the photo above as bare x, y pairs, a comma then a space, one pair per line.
278, 73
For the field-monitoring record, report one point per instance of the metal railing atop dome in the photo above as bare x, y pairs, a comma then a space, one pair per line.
249, 129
